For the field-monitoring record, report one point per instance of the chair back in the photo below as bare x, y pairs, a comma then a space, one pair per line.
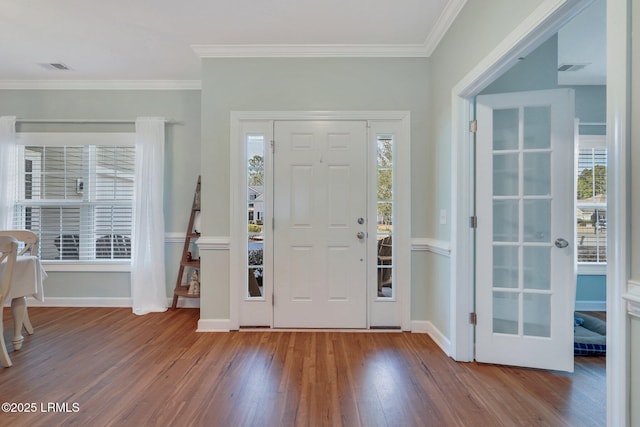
8, 251
27, 237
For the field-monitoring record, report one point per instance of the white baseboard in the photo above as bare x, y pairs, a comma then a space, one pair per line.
214, 325
426, 327
100, 302
80, 302
591, 306
185, 302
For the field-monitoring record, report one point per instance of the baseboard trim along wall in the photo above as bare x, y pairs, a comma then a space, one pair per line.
80, 302
214, 325
426, 327
100, 302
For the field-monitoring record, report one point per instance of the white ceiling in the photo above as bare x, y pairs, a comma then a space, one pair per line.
154, 39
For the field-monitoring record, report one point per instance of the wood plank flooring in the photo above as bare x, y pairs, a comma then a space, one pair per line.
112, 368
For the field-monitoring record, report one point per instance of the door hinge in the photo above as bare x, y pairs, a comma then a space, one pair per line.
273, 300
273, 146
473, 318
473, 126
473, 221
273, 223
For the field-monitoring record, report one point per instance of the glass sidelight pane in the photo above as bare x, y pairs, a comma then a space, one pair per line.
255, 214
537, 267
505, 129
505, 174
505, 220
505, 266
385, 184
537, 174
536, 310
537, 127
537, 220
505, 313
385, 255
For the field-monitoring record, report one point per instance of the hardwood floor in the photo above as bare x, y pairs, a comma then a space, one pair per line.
111, 367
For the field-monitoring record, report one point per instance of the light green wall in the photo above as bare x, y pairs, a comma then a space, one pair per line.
478, 29
634, 397
182, 165
635, 211
316, 84
635, 147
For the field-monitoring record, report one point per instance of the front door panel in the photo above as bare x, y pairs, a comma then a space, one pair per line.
320, 182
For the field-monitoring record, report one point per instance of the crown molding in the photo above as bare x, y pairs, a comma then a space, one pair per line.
449, 14
101, 84
310, 50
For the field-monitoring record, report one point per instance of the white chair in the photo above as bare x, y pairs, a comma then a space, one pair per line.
8, 251
30, 241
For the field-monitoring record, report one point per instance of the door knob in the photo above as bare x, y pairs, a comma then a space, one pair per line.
360, 220
561, 243
360, 235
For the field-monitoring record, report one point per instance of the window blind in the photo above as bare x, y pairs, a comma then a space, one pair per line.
78, 199
591, 205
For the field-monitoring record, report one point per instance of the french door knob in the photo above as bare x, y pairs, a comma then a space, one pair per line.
561, 243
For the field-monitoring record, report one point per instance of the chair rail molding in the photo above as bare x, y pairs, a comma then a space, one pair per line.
632, 297
427, 244
214, 243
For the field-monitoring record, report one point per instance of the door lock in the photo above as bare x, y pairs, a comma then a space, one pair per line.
360, 220
360, 235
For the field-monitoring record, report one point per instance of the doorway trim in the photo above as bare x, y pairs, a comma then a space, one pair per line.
547, 19
402, 233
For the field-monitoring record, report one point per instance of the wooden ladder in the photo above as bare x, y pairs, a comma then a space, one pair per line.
182, 289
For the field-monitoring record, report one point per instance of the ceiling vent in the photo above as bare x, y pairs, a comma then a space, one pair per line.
59, 66
572, 67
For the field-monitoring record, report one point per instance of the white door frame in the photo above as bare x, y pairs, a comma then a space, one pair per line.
402, 213
545, 21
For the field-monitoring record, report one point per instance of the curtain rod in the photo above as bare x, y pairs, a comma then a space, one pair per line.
88, 121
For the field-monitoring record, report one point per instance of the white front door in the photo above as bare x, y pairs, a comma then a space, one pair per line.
320, 224
525, 244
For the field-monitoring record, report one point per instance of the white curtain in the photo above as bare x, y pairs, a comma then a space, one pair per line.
7, 171
148, 289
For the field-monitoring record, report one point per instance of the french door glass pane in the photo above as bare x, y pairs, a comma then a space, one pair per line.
505, 221
537, 127
505, 266
537, 220
537, 267
537, 174
505, 174
522, 221
536, 309
505, 129
505, 313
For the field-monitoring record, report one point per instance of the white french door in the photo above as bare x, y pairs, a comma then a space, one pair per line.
525, 244
320, 228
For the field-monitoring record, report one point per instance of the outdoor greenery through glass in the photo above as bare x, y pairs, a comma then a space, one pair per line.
384, 166
255, 214
591, 205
